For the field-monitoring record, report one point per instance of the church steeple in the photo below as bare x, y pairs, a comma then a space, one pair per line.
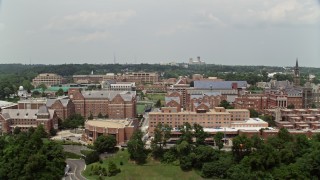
296, 74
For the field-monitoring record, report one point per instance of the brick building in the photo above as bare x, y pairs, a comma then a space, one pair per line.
258, 102
48, 79
63, 107
26, 118
297, 119
196, 98
141, 77
121, 129
207, 118
114, 104
87, 79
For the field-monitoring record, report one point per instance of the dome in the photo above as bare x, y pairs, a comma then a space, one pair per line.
20, 88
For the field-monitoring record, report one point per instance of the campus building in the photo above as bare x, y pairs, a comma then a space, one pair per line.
87, 79
141, 77
218, 117
26, 118
63, 107
296, 119
47, 79
122, 129
111, 104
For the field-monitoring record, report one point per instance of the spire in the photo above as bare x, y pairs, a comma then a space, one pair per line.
297, 66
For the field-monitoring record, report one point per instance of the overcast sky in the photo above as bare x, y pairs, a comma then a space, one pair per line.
230, 32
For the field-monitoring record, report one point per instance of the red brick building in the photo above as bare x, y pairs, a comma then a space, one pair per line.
258, 102
114, 104
121, 129
63, 107
211, 99
26, 118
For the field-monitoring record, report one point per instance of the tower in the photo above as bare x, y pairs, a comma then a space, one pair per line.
296, 75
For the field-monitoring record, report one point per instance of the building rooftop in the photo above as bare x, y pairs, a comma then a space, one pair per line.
23, 113
109, 123
218, 84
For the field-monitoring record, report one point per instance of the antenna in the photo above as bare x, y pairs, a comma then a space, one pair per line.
114, 58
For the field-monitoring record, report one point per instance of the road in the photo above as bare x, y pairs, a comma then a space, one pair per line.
76, 166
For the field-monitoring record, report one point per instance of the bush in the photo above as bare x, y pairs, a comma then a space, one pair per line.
169, 157
92, 157
113, 169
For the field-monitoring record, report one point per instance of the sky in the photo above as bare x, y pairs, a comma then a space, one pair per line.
228, 32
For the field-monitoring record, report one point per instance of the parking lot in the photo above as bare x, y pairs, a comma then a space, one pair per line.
71, 135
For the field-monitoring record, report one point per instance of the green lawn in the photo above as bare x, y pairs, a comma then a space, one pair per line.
156, 96
140, 108
153, 170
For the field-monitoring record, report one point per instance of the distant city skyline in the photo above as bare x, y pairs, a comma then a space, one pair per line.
241, 32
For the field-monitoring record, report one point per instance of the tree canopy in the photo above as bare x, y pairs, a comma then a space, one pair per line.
25, 155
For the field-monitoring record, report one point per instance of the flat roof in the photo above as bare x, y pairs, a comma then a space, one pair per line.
109, 123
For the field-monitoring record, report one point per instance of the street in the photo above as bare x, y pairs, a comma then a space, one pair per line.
76, 166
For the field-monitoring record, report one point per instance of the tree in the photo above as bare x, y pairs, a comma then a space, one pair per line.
225, 104
186, 133
253, 113
7, 91
60, 92
42, 86
16, 130
25, 156
218, 140
53, 132
35, 93
136, 148
92, 157
161, 136
90, 116
105, 143
269, 119
241, 146
199, 134
100, 116
72, 122
158, 103
290, 106
217, 169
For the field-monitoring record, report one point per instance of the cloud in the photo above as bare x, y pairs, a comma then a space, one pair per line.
2, 26
90, 20
291, 12
208, 19
96, 36
182, 27
257, 12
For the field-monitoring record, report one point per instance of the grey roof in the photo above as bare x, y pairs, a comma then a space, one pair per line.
218, 84
293, 91
168, 99
197, 96
23, 113
196, 104
126, 95
5, 115
43, 110
50, 102
64, 102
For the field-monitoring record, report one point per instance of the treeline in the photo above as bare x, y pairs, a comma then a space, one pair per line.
283, 156
26, 155
14, 75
